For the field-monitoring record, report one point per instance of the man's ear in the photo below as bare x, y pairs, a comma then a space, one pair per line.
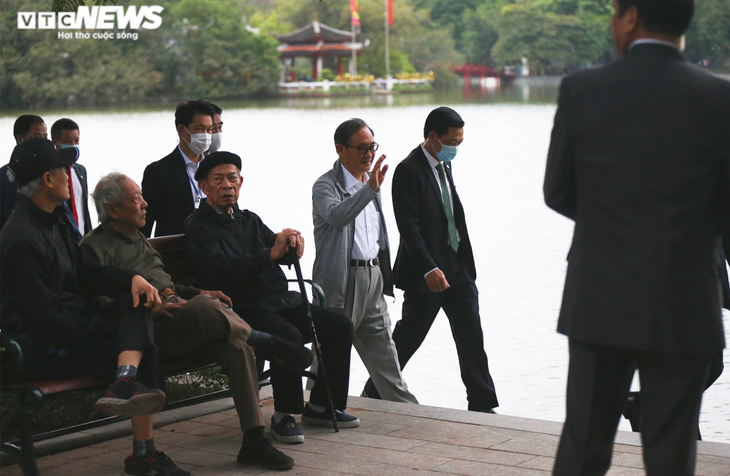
203, 185
111, 210
630, 19
47, 180
340, 149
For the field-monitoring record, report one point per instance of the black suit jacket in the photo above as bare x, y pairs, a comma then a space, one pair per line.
640, 159
421, 217
9, 196
166, 188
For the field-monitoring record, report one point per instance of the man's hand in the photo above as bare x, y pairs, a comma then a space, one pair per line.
140, 286
436, 281
287, 238
377, 175
167, 308
220, 296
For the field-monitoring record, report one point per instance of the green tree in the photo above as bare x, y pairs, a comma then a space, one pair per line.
551, 42
708, 37
42, 70
207, 51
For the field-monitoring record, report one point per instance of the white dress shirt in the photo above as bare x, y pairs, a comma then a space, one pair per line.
192, 167
78, 199
367, 223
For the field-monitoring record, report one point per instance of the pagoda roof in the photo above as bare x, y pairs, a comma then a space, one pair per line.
314, 33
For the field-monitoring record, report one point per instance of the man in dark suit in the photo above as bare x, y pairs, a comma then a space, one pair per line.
25, 127
435, 265
169, 185
640, 159
65, 133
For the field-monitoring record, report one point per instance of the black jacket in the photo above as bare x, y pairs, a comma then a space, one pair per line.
421, 218
640, 159
44, 275
166, 189
231, 253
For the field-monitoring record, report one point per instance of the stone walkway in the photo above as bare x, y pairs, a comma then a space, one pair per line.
394, 439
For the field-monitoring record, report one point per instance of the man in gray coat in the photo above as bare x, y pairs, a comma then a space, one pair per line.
353, 257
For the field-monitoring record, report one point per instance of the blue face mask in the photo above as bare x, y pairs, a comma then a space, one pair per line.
68, 146
447, 153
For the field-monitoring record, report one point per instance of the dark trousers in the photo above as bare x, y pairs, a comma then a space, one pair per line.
460, 302
118, 326
599, 379
334, 332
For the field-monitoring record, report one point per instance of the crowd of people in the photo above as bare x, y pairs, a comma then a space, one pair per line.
638, 159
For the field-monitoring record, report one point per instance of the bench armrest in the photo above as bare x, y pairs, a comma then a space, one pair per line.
316, 289
10, 350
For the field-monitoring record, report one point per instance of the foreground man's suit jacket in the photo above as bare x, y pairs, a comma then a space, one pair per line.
640, 159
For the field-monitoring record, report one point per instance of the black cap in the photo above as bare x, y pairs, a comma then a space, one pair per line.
34, 157
215, 159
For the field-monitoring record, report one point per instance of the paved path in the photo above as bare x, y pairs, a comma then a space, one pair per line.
394, 439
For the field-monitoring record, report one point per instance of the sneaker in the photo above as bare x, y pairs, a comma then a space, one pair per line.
344, 420
262, 453
127, 397
287, 431
289, 355
369, 390
158, 462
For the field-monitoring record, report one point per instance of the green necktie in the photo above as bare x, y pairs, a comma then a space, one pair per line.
453, 237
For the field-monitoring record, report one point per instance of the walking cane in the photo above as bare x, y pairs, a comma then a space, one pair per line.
315, 340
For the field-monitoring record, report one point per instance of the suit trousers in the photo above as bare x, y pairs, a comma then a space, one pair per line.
334, 332
460, 302
203, 329
124, 328
599, 379
366, 307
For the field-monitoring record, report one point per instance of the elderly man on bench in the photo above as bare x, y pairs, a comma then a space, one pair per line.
192, 323
45, 278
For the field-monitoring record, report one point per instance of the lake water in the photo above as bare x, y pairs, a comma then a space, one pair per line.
519, 244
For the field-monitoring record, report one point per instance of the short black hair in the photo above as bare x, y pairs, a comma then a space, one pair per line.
215, 107
670, 17
440, 120
63, 124
186, 111
349, 128
23, 124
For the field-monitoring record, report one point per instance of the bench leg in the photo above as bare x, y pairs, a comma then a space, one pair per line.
31, 401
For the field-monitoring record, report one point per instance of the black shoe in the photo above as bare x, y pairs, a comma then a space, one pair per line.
262, 453
127, 397
369, 391
311, 417
289, 355
632, 411
158, 462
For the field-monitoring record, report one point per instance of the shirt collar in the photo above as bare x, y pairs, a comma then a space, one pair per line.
188, 163
350, 180
642, 41
431, 160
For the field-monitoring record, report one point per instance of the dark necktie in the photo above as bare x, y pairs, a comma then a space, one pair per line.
453, 237
73, 198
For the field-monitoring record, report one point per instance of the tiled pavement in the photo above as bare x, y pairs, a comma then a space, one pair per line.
394, 439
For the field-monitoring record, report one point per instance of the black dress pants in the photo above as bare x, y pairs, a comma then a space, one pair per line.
334, 331
460, 302
112, 328
599, 379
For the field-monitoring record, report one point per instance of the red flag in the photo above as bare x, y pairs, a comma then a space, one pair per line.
355, 14
390, 12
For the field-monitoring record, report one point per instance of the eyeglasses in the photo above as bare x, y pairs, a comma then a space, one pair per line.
364, 149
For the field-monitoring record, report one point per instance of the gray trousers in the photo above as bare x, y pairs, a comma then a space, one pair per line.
366, 307
203, 329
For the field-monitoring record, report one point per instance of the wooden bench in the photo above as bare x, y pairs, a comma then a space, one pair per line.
32, 395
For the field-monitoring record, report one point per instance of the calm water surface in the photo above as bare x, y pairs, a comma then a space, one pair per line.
519, 244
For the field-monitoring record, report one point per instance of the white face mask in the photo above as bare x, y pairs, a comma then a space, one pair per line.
199, 142
215, 141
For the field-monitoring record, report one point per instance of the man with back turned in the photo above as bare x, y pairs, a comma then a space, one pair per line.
640, 160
